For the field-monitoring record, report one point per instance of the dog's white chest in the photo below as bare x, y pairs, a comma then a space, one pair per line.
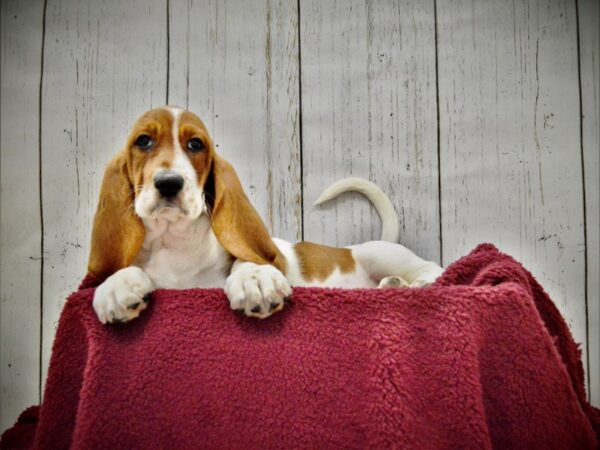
181, 254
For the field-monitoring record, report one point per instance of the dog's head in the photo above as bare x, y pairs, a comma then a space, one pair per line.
170, 156
169, 170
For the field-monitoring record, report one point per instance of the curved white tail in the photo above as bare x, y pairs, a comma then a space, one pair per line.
390, 226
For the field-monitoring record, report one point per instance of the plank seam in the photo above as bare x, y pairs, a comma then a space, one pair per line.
437, 106
300, 112
585, 245
168, 49
40, 104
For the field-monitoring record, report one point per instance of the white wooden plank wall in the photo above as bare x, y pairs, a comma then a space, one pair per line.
20, 232
589, 42
479, 119
369, 110
510, 144
236, 65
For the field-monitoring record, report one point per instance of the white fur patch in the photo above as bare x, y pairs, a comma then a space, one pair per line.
383, 259
183, 254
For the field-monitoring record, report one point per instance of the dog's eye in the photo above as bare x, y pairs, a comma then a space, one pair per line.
195, 145
144, 142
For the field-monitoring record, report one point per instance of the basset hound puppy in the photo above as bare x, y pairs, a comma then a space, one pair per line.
173, 214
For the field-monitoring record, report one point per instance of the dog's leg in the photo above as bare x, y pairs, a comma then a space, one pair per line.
385, 261
122, 296
256, 290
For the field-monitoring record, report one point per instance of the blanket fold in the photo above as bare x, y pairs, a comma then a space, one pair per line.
481, 359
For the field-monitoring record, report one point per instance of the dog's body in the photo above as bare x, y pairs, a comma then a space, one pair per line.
191, 225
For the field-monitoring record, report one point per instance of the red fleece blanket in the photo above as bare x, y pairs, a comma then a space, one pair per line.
482, 359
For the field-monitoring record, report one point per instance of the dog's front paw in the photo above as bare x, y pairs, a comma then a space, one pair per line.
256, 290
122, 296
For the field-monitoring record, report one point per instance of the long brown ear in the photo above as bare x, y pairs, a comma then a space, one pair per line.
236, 223
118, 232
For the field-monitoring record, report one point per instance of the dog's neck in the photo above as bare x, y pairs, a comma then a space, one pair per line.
180, 253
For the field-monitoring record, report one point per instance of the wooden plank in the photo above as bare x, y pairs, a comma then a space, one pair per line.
369, 110
106, 63
20, 225
235, 64
509, 140
589, 56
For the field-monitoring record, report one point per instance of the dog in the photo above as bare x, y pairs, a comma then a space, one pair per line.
172, 214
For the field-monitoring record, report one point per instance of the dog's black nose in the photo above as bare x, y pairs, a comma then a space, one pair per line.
168, 184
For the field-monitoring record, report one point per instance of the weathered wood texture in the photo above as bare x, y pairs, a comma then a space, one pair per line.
21, 26
362, 78
369, 110
510, 141
589, 42
236, 65
105, 64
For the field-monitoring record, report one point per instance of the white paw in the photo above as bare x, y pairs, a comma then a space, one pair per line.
122, 295
393, 282
427, 276
256, 290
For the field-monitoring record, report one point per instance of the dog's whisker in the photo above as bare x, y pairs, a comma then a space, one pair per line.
136, 189
207, 210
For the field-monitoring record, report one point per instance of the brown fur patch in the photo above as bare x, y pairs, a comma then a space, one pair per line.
317, 261
235, 222
118, 233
